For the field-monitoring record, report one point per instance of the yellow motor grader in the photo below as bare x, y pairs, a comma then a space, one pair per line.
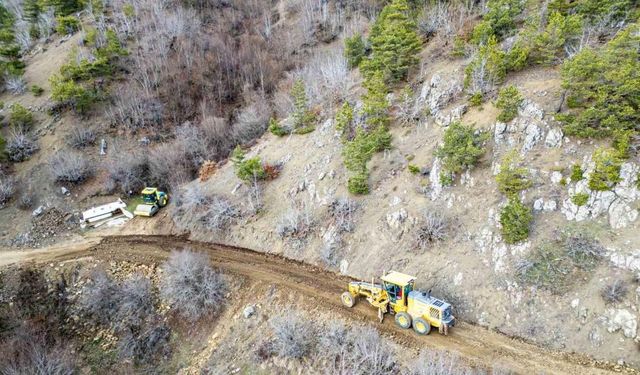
411, 308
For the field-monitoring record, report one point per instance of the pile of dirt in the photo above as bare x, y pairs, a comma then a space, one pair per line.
47, 226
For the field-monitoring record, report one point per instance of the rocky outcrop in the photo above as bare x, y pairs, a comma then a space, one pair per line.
438, 92
554, 138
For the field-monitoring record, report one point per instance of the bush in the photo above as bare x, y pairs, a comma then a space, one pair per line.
462, 148
293, 334
15, 84
476, 99
37, 90
606, 173
432, 228
577, 174
582, 249
219, 213
515, 219
622, 141
7, 188
27, 199
67, 25
70, 166
512, 179
344, 122
614, 292
128, 170
68, 92
546, 266
247, 169
413, 169
550, 44
100, 298
459, 49
509, 100
602, 87
354, 50
580, 199
394, 43
81, 137
20, 117
501, 15
191, 286
487, 69
343, 211
20, 146
276, 129
297, 222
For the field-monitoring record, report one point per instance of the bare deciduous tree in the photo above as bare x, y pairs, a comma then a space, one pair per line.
7, 188
70, 166
81, 137
433, 228
296, 222
15, 84
191, 286
20, 146
343, 211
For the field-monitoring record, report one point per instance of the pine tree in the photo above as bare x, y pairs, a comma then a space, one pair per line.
559, 30
394, 42
354, 49
302, 117
374, 102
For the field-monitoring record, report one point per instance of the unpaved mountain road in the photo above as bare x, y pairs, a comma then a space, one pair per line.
476, 344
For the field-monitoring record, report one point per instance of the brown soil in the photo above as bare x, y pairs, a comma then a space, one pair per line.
477, 345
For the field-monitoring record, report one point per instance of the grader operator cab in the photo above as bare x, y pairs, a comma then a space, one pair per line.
396, 295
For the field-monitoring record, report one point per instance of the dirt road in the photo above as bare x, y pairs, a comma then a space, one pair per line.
474, 343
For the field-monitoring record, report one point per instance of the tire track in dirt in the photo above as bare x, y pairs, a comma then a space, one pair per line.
476, 344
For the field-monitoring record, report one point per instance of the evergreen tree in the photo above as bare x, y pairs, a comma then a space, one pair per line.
604, 87
302, 117
374, 103
66, 7
394, 42
559, 31
354, 50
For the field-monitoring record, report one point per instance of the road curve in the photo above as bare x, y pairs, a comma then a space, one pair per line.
476, 344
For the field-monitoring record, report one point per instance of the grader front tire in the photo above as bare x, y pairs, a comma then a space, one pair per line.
347, 299
403, 320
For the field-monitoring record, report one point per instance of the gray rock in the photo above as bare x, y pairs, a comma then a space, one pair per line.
554, 138
621, 214
499, 131
397, 218
550, 205
621, 320
538, 205
65, 191
530, 109
38, 211
249, 311
556, 177
532, 136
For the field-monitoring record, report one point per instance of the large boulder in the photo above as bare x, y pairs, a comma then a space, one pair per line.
621, 320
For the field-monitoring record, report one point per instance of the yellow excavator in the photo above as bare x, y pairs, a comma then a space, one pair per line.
396, 295
152, 200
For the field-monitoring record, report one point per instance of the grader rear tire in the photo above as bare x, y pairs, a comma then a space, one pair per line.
421, 326
347, 299
403, 320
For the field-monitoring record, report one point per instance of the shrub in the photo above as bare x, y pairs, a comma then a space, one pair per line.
15, 84
512, 179
580, 199
459, 49
191, 286
607, 170
276, 129
37, 90
7, 189
297, 222
27, 199
247, 169
136, 302
462, 148
509, 100
81, 137
68, 92
302, 117
219, 213
622, 140
432, 228
67, 25
413, 169
343, 211
354, 50
501, 15
70, 166
515, 219
128, 170
147, 342
20, 117
602, 85
577, 174
582, 249
100, 298
487, 69
476, 99
293, 334
358, 184
20, 146
394, 43
546, 267
614, 292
